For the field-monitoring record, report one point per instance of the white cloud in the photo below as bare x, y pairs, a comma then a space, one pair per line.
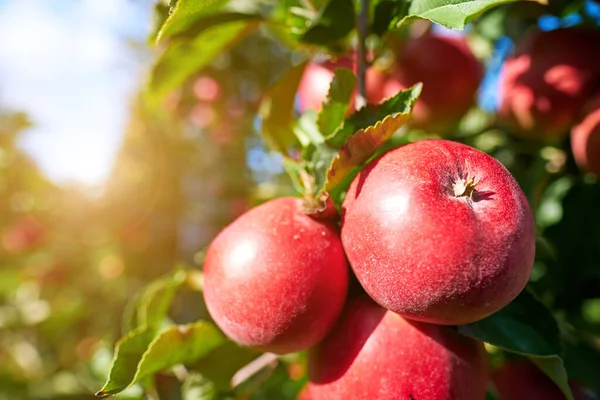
66, 64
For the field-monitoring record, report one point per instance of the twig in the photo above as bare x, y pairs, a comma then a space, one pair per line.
361, 52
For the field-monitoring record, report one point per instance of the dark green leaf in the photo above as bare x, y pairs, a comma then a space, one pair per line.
182, 60
334, 22
453, 14
526, 327
401, 103
338, 99
277, 110
384, 13
223, 362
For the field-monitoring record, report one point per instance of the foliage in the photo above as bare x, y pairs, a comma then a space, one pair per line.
126, 265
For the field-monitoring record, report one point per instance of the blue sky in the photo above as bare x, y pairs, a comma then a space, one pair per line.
69, 65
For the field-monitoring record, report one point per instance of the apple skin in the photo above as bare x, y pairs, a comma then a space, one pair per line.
546, 82
450, 74
585, 139
521, 380
276, 279
376, 354
419, 250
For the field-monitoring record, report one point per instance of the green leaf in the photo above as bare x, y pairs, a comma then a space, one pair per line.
182, 60
338, 99
223, 362
137, 357
277, 110
526, 327
186, 12
357, 150
401, 103
128, 353
454, 14
334, 22
384, 13
554, 368
197, 387
156, 299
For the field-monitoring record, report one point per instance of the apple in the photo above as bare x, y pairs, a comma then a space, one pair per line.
546, 82
439, 232
450, 74
521, 380
376, 354
276, 279
23, 235
585, 139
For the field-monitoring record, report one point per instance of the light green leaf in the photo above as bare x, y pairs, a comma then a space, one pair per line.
401, 103
141, 354
182, 60
128, 353
186, 12
453, 14
338, 99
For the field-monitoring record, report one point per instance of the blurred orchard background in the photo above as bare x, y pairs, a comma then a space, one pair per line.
102, 190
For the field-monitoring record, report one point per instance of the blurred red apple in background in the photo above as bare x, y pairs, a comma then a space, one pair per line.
550, 77
450, 74
585, 139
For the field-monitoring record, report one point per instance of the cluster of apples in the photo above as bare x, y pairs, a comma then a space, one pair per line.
437, 234
551, 86
445, 64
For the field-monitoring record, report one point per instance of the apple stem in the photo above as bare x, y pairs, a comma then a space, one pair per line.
361, 52
464, 187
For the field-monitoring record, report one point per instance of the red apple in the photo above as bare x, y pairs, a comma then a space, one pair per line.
545, 84
375, 354
524, 381
276, 279
585, 139
25, 234
439, 232
450, 74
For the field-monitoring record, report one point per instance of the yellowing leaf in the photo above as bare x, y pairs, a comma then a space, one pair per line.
360, 147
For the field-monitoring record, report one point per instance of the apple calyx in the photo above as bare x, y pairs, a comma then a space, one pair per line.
464, 187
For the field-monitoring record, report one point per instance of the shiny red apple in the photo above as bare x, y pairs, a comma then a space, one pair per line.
439, 232
376, 354
276, 279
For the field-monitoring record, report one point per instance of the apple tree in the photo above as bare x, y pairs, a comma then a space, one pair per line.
418, 216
